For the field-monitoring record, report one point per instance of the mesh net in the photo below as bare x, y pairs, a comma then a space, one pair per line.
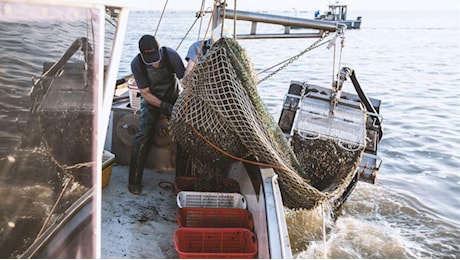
220, 118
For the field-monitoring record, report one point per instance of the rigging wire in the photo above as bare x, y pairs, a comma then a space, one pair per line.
338, 64
198, 15
186, 34
224, 4
161, 18
342, 45
187, 80
286, 60
333, 60
88, 52
294, 58
234, 20
201, 14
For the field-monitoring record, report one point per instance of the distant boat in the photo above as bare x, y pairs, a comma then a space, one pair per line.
338, 13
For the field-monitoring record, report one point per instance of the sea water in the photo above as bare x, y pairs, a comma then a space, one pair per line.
408, 59
31, 179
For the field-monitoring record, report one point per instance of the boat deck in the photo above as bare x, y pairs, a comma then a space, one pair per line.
138, 226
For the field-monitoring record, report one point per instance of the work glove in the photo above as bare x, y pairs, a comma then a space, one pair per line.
166, 108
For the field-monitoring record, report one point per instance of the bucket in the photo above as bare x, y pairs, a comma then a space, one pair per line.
108, 159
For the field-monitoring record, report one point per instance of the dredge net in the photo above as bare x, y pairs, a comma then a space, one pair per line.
220, 118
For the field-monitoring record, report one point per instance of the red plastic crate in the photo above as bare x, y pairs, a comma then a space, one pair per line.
215, 217
188, 184
215, 243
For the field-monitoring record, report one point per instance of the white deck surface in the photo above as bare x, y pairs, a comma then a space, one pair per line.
138, 226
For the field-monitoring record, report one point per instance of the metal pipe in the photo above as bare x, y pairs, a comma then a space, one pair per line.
277, 36
336, 92
282, 20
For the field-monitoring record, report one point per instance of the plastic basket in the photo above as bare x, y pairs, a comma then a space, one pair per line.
196, 199
189, 184
211, 217
215, 243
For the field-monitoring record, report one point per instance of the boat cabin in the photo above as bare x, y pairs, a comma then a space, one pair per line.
338, 13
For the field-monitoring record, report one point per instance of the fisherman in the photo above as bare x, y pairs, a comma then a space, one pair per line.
316, 13
195, 51
157, 72
199, 48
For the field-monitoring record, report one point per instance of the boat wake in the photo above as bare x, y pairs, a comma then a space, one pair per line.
377, 224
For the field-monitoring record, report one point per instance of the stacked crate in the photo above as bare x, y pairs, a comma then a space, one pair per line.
213, 224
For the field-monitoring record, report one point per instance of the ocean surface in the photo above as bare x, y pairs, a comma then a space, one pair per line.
410, 60
32, 178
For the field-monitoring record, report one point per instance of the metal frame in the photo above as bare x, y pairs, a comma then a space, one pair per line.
286, 21
278, 235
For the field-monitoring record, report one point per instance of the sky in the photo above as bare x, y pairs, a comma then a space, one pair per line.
309, 5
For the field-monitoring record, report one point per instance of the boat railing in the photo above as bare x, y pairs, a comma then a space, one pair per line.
276, 222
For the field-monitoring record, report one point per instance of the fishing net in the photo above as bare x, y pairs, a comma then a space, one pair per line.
220, 118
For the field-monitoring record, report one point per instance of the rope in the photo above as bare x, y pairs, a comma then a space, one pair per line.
324, 231
66, 167
239, 158
69, 179
166, 185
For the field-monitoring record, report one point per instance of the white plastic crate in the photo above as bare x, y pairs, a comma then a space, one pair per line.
195, 199
134, 94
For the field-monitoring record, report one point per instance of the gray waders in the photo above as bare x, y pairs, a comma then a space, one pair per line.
163, 84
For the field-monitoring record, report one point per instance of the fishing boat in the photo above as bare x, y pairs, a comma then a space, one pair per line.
338, 13
213, 189
225, 187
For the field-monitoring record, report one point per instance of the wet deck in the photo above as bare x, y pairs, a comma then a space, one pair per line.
138, 226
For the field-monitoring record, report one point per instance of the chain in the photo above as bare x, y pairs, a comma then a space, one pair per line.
294, 58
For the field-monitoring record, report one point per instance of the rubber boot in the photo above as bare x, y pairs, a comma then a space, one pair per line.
136, 167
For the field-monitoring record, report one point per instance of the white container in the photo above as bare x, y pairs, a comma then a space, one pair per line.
195, 199
134, 94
